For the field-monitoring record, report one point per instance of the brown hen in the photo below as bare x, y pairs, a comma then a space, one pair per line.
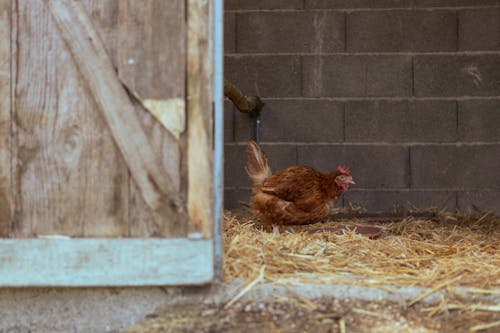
294, 195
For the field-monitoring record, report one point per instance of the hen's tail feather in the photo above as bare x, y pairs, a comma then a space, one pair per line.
257, 165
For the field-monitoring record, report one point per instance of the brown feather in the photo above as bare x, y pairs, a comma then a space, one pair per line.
257, 165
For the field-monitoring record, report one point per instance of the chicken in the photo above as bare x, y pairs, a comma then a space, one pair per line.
294, 195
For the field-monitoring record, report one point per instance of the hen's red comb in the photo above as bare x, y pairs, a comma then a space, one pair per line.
344, 170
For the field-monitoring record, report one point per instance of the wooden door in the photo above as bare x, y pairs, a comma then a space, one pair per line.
106, 142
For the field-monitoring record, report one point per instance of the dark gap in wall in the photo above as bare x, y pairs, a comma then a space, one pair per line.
296, 154
344, 121
457, 14
410, 185
345, 31
236, 19
413, 76
301, 68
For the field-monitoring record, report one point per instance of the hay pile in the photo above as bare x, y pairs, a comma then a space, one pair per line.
455, 250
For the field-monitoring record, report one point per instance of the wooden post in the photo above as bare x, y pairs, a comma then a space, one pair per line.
200, 115
6, 208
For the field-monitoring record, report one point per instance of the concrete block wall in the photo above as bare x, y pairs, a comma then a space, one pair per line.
404, 92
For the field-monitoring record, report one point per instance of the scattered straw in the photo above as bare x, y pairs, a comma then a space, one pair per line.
247, 288
342, 325
483, 327
456, 250
371, 313
433, 290
474, 307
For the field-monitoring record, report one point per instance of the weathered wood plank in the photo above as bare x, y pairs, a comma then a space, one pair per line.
6, 203
200, 118
152, 58
95, 67
105, 262
104, 16
152, 64
108, 176
69, 172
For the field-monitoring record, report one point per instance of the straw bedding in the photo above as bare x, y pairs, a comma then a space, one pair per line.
454, 250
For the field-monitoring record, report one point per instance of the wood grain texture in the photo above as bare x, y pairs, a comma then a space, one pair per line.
6, 203
105, 262
152, 65
200, 118
67, 169
108, 177
97, 72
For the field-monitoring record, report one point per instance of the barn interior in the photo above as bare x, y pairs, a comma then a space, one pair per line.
403, 92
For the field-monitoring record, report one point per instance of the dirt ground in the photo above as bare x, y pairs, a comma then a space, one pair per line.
319, 316
443, 253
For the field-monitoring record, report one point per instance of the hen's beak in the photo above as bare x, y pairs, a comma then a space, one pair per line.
350, 181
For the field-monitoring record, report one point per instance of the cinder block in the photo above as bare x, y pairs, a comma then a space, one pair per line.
455, 166
479, 120
401, 30
457, 75
479, 29
265, 76
297, 120
228, 121
280, 156
357, 76
236, 198
293, 32
243, 126
372, 166
229, 32
455, 3
324, 4
262, 4
390, 200
400, 121
482, 199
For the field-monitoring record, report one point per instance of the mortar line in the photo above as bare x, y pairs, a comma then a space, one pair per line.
371, 144
380, 98
369, 53
362, 9
392, 189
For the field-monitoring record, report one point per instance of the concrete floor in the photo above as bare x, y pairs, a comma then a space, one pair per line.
72, 310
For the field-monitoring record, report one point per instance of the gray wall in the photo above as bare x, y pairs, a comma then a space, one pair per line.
406, 93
